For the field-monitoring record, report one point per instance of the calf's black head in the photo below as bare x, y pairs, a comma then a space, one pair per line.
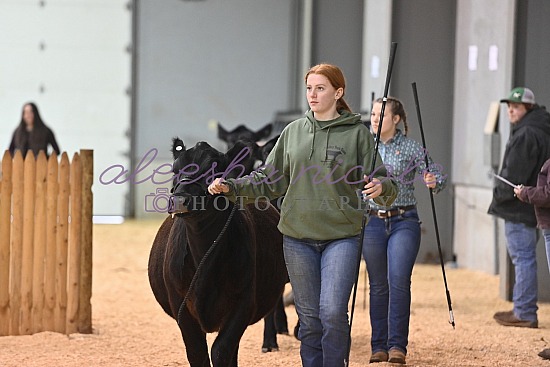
195, 168
243, 133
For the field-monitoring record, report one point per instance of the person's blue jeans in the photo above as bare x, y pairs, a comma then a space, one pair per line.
546, 235
322, 274
521, 241
390, 247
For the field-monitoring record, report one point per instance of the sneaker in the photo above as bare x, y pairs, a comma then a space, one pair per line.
380, 356
545, 354
396, 356
507, 318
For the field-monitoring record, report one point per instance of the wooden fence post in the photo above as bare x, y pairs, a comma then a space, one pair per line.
28, 238
16, 243
5, 224
39, 243
85, 306
51, 229
62, 241
74, 258
46, 233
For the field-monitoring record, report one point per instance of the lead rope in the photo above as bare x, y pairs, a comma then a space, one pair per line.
195, 276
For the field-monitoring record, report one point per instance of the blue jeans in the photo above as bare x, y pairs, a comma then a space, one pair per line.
546, 235
322, 274
521, 241
390, 247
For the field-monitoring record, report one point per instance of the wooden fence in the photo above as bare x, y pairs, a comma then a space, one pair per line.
46, 243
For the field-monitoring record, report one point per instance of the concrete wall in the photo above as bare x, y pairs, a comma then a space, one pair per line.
425, 32
475, 87
429, 27
200, 62
377, 39
337, 39
533, 49
530, 69
481, 79
72, 59
474, 236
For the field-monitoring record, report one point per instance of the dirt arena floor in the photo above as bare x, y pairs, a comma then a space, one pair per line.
130, 328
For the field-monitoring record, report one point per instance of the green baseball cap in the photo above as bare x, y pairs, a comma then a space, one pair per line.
520, 95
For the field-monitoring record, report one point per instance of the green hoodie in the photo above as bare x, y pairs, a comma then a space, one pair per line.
318, 166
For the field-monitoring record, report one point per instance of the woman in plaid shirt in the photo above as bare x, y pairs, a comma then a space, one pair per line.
392, 236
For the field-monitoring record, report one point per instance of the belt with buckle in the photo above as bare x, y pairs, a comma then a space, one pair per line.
388, 213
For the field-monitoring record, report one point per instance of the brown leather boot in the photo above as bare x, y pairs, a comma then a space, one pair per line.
380, 356
396, 356
507, 318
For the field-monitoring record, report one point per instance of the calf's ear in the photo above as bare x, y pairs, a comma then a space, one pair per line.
222, 133
263, 133
178, 147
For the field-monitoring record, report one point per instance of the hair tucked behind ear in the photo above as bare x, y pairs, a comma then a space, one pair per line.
336, 79
396, 108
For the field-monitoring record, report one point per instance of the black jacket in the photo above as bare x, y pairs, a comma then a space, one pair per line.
527, 149
38, 139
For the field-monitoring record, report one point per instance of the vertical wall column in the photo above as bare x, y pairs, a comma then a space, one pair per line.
376, 48
304, 51
483, 72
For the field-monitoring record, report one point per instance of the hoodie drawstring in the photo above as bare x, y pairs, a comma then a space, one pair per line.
326, 144
312, 142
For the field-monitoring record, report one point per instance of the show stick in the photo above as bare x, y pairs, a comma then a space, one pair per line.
366, 210
451, 317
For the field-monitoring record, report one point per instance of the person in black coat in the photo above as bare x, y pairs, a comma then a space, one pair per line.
526, 151
32, 133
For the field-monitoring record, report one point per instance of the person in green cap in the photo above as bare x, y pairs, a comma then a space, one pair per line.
526, 151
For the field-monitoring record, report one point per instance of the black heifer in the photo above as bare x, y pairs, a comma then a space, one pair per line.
265, 133
276, 321
240, 279
242, 132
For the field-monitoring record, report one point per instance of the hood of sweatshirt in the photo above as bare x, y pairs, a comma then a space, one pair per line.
317, 168
345, 118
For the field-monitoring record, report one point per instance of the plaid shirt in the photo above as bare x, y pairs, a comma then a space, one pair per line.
404, 158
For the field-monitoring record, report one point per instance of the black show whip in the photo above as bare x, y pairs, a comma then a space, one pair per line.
366, 212
451, 317
365, 278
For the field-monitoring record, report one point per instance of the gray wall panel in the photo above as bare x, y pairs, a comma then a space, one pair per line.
532, 61
55, 54
533, 49
425, 32
206, 61
475, 88
517, 29
337, 39
200, 62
